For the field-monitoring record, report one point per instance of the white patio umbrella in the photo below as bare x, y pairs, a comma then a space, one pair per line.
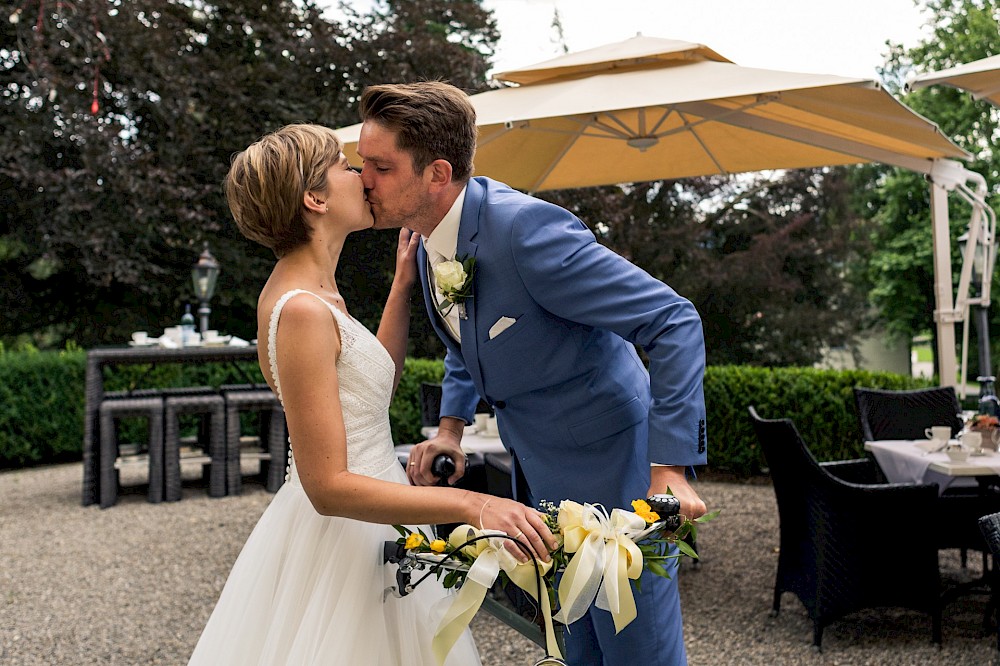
650, 109
980, 77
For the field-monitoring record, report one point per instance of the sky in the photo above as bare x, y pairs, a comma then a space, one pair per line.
845, 37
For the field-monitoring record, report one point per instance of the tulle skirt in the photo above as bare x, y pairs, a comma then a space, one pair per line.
309, 589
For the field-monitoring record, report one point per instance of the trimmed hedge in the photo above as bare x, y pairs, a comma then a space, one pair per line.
42, 400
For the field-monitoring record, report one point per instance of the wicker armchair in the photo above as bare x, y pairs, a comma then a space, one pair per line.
885, 414
830, 528
989, 525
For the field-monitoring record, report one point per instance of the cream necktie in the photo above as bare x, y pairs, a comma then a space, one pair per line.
451, 319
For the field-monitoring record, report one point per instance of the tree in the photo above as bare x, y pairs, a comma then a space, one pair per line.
901, 266
119, 119
767, 262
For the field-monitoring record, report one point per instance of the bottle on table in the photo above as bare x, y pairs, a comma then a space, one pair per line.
187, 327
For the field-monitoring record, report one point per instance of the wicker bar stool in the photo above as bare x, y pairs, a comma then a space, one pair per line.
210, 405
271, 433
146, 404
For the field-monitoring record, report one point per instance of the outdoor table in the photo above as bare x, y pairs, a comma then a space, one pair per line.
903, 461
104, 357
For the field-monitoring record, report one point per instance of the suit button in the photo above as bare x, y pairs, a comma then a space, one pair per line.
499, 404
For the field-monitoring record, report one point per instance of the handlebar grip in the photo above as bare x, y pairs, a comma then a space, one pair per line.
443, 467
668, 508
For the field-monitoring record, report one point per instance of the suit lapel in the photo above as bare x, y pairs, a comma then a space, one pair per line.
467, 247
436, 322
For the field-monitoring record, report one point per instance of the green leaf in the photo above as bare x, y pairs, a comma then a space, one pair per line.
686, 549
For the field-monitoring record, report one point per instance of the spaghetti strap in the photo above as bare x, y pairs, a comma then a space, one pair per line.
272, 331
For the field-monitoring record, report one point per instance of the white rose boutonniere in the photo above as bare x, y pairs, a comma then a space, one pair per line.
454, 283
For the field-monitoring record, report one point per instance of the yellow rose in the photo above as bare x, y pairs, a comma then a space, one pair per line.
449, 276
644, 511
413, 540
438, 545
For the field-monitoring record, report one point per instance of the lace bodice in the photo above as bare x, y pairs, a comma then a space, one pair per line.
365, 373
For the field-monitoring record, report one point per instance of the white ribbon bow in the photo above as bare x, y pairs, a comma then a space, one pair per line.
606, 558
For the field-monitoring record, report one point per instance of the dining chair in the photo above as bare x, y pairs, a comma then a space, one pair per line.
206, 404
989, 525
271, 433
832, 529
115, 406
888, 414
430, 404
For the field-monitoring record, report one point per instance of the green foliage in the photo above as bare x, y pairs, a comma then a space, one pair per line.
901, 265
771, 264
117, 124
41, 407
42, 402
820, 402
404, 412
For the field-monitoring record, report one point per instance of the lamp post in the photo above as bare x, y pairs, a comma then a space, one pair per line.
988, 401
204, 275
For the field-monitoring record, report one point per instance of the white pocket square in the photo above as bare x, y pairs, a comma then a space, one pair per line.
502, 324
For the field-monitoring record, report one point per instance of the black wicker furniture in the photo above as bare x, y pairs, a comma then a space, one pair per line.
887, 414
989, 526
271, 434
210, 406
430, 404
114, 407
847, 546
103, 358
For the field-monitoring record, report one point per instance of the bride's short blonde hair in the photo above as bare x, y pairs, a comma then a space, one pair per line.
267, 182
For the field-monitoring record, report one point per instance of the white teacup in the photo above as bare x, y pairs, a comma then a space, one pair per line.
972, 441
140, 337
957, 453
938, 432
210, 335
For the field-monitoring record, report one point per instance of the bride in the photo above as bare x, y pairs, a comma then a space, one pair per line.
308, 586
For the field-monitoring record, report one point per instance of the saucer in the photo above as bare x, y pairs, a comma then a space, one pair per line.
147, 343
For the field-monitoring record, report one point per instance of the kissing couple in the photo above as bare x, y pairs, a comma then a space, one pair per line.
537, 318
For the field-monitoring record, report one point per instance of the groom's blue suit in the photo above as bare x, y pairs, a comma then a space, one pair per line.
574, 403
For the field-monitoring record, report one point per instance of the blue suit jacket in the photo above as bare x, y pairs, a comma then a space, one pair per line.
573, 400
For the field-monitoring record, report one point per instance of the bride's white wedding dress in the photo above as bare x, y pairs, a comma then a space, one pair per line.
308, 589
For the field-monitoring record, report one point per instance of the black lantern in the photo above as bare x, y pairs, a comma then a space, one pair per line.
204, 275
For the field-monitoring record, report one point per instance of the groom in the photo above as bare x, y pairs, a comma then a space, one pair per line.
544, 329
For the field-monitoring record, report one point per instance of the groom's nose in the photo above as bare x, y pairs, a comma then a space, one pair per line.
366, 178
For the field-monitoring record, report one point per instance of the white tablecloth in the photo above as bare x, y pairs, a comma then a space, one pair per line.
902, 461
472, 442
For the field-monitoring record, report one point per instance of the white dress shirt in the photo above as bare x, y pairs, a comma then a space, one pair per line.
441, 245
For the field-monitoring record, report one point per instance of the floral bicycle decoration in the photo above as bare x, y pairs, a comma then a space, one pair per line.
599, 555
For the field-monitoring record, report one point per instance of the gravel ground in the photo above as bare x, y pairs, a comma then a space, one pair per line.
134, 584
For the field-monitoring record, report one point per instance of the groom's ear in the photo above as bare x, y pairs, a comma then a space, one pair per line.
438, 173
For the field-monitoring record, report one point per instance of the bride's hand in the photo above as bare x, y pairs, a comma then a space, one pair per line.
406, 259
519, 521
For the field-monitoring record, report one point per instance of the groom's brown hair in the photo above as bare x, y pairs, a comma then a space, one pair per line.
433, 120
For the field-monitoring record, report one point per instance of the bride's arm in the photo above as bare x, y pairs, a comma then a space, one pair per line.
394, 327
310, 392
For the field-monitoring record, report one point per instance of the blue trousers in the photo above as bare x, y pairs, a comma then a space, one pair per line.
654, 638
